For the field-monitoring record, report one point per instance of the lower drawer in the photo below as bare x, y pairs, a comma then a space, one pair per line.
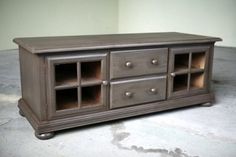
138, 91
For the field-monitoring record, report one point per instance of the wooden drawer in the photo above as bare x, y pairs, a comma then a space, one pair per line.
138, 62
132, 92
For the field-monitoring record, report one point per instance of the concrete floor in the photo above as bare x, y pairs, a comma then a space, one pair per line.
189, 132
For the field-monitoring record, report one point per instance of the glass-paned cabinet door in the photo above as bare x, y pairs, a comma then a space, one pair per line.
188, 70
76, 83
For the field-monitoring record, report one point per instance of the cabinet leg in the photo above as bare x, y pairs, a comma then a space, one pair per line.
208, 104
21, 113
44, 136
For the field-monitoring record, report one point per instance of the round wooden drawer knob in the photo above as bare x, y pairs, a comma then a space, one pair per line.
105, 83
129, 64
153, 90
154, 61
172, 74
128, 94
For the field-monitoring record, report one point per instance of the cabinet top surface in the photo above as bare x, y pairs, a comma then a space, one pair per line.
39, 45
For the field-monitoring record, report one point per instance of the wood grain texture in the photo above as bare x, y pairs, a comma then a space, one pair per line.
83, 105
187, 90
33, 82
103, 116
92, 42
140, 60
92, 68
140, 90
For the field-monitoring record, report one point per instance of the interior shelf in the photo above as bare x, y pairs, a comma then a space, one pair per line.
90, 72
197, 80
198, 60
91, 82
181, 62
196, 70
66, 99
180, 82
66, 74
91, 96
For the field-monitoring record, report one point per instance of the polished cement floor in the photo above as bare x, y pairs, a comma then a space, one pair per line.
189, 132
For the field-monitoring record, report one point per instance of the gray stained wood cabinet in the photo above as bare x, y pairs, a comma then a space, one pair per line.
73, 81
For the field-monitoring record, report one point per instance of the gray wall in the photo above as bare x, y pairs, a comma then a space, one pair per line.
23, 18
206, 17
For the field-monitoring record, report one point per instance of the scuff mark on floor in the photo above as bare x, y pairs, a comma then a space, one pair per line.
167, 153
4, 121
224, 59
225, 82
119, 134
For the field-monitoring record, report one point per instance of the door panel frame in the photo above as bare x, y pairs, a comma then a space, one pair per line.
188, 50
52, 60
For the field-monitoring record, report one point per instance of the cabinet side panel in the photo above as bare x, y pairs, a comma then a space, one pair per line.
32, 82
210, 65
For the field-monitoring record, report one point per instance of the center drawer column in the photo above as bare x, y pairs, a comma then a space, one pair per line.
137, 76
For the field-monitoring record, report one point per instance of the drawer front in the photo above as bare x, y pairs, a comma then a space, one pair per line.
132, 92
138, 62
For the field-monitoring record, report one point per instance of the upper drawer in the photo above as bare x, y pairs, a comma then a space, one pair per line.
138, 91
138, 62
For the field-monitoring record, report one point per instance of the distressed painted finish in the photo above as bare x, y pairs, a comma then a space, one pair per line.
138, 62
137, 91
149, 50
94, 42
189, 50
77, 59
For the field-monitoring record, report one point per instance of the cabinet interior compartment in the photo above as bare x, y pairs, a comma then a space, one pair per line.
181, 61
66, 74
180, 82
197, 80
91, 96
198, 60
66, 99
90, 71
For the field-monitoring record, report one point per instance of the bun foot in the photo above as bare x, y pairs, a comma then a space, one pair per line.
44, 136
21, 113
208, 104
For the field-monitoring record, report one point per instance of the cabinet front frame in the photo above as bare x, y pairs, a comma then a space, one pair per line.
52, 60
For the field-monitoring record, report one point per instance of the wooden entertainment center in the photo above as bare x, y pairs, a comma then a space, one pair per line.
73, 81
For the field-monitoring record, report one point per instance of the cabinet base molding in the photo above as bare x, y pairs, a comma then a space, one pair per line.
21, 113
43, 127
